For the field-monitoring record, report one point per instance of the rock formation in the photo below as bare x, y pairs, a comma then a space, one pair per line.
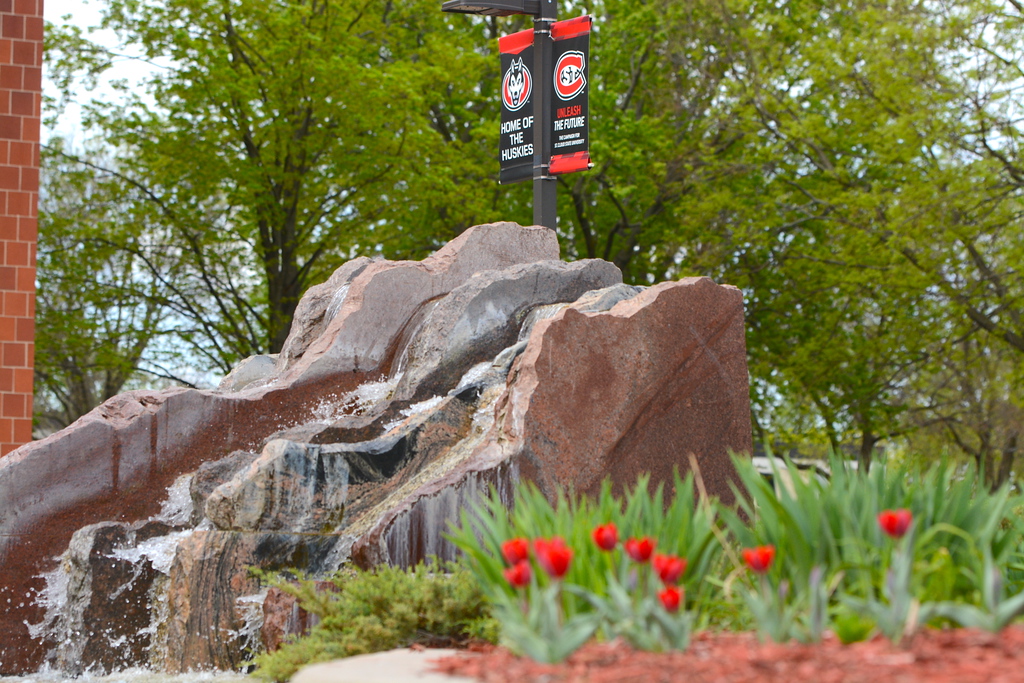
402, 392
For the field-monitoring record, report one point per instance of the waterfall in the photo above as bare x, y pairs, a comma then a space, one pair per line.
382, 426
102, 602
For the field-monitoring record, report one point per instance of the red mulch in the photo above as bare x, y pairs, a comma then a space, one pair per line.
932, 656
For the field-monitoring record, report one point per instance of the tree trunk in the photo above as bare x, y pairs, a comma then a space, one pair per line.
1006, 463
868, 440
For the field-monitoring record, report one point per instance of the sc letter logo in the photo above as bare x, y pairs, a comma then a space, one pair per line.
569, 78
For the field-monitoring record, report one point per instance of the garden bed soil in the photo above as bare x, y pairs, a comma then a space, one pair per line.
931, 656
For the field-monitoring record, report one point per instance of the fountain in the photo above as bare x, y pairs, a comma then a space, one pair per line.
403, 392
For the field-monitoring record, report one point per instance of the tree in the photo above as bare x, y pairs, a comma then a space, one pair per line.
267, 150
969, 400
97, 314
853, 166
733, 139
874, 222
664, 142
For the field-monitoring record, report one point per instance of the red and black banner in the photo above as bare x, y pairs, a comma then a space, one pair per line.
517, 89
569, 116
570, 106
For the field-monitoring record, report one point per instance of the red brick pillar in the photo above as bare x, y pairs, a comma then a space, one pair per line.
21, 62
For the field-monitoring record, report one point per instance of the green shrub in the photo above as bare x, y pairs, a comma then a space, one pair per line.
379, 610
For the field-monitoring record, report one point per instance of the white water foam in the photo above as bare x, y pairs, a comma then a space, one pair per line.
473, 375
415, 408
131, 676
53, 598
159, 550
176, 509
356, 402
250, 607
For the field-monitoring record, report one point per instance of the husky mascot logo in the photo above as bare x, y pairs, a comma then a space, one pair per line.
569, 78
516, 86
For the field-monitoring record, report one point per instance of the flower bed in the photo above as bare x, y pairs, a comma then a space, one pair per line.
863, 553
619, 588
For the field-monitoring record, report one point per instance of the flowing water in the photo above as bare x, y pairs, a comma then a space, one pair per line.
132, 676
159, 552
413, 536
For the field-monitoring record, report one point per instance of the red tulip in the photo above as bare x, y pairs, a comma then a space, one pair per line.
895, 522
606, 536
516, 550
553, 556
519, 574
671, 598
759, 559
640, 549
669, 568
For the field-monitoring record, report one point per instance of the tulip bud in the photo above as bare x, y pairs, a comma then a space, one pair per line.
519, 574
895, 522
515, 550
640, 549
671, 598
606, 536
759, 559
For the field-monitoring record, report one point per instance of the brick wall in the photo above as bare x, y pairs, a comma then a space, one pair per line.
21, 61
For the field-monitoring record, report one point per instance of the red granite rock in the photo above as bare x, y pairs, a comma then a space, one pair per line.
214, 609
617, 393
283, 617
634, 390
622, 381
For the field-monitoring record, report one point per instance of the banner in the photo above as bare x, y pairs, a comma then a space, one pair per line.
517, 89
570, 106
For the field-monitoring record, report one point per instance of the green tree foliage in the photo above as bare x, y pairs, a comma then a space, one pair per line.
97, 311
831, 159
271, 146
853, 166
864, 109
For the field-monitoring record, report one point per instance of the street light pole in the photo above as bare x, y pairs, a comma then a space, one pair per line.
545, 187
544, 12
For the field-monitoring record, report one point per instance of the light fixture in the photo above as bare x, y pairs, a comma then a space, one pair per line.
492, 8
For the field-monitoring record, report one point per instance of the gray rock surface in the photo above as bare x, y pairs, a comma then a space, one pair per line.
317, 308
382, 298
250, 371
483, 316
290, 486
212, 474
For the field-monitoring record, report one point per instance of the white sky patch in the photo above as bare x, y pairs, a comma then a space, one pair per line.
86, 14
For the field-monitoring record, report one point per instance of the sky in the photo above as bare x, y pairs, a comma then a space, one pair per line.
85, 14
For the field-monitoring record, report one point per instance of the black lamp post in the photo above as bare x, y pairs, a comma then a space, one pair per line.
492, 8
544, 12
